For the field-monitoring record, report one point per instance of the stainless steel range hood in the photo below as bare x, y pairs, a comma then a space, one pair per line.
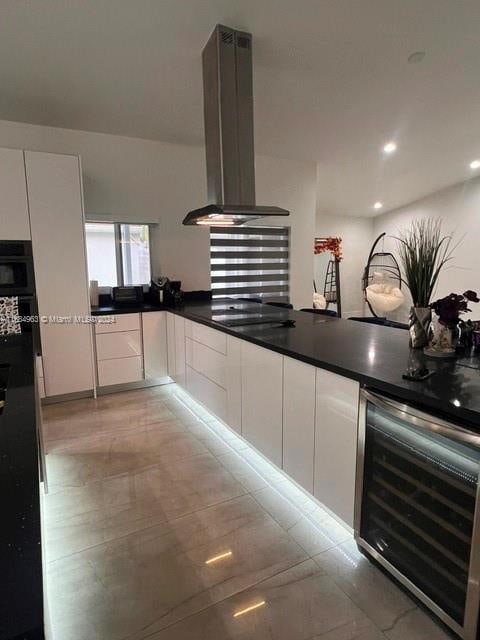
228, 111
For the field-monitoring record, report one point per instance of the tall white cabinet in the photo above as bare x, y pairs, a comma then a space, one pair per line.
58, 239
14, 221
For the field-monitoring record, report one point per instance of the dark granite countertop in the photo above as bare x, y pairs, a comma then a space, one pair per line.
21, 594
376, 356
110, 310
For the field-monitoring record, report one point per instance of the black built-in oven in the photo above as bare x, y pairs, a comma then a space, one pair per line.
17, 280
16, 268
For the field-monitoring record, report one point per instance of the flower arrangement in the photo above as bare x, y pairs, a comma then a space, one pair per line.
450, 308
333, 245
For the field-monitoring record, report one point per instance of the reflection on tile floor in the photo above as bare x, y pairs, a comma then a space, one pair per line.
161, 523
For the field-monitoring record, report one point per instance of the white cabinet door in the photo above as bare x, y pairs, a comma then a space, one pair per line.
262, 391
120, 371
299, 421
176, 347
58, 240
336, 443
155, 344
171, 344
14, 222
121, 344
180, 350
234, 383
121, 322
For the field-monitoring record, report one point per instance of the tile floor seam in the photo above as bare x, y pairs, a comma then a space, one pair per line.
118, 475
143, 529
215, 604
120, 433
359, 606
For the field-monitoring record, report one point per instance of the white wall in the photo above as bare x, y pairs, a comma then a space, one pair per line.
131, 179
356, 235
459, 209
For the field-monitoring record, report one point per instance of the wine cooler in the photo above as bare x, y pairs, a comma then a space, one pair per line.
416, 510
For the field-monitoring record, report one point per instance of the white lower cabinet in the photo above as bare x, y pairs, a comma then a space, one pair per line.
176, 348
233, 381
302, 418
120, 371
154, 324
119, 350
179, 350
336, 443
262, 400
123, 344
210, 394
171, 345
299, 421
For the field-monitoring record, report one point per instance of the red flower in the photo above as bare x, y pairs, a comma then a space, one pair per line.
332, 245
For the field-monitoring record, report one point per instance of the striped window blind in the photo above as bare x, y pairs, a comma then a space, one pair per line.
250, 262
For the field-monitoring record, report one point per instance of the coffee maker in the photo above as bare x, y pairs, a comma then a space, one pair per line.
167, 292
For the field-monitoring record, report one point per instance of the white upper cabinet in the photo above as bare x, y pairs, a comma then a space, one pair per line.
14, 222
155, 344
299, 421
262, 391
336, 443
58, 241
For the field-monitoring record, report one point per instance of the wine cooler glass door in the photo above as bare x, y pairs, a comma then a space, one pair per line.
416, 506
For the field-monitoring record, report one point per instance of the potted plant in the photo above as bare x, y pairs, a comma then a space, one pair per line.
423, 251
445, 327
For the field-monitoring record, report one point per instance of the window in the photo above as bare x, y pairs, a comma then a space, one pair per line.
250, 262
118, 254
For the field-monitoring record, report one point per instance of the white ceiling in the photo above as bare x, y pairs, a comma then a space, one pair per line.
332, 82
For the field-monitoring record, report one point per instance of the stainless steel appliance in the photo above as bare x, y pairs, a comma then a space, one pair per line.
229, 142
416, 511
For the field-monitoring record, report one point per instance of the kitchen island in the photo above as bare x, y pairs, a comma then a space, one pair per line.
375, 356
325, 401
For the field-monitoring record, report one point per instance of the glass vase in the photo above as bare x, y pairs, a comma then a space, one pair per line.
419, 322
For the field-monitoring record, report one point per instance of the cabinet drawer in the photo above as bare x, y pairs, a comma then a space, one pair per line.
124, 344
205, 335
206, 361
207, 392
120, 371
122, 322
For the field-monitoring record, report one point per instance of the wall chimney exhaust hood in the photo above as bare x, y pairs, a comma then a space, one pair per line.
228, 113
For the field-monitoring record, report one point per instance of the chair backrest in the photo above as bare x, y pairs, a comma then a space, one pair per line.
322, 312
282, 305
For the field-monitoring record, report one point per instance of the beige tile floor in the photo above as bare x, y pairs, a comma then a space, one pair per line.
161, 523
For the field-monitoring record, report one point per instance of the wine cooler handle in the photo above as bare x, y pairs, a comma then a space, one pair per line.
422, 420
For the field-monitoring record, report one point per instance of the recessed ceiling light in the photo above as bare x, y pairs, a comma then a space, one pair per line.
416, 57
475, 164
377, 205
390, 147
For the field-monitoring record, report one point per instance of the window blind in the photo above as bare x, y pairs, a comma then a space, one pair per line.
250, 262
